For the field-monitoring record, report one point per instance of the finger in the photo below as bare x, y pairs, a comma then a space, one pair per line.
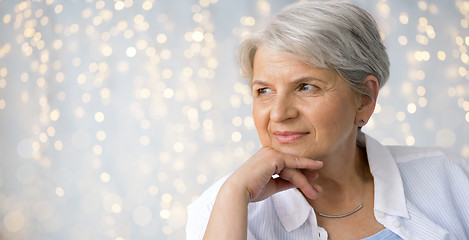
317, 188
290, 161
297, 178
310, 174
272, 187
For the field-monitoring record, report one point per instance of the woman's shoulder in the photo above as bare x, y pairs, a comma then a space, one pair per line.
198, 212
431, 169
206, 200
428, 157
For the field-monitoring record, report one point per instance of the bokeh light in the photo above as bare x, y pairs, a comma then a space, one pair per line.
115, 115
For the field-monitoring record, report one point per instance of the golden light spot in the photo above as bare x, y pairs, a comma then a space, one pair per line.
423, 21
206, 105
99, 117
161, 38
264, 6
464, 23
141, 44
86, 98
6, 18
131, 52
86, 13
247, 21
420, 75
198, 18
100, 4
58, 145
411, 108
106, 50
116, 208
153, 190
105, 177
248, 122
212, 63
97, 150
421, 90
178, 147
144, 140
167, 73
201, 179
459, 40
197, 36
105, 93
101, 135
462, 71
168, 93
14, 221
400, 116
145, 124
402, 40
167, 230
59, 191
465, 58
165, 214
147, 5
54, 115
465, 105
28, 32
58, 8
145, 93
236, 136
410, 140
422, 102
192, 114
208, 124
165, 54
441, 55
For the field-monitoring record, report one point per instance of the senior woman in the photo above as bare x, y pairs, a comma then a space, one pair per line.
315, 72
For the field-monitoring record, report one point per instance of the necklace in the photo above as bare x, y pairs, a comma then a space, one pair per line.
356, 209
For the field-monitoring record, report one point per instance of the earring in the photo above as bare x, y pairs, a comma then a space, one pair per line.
362, 122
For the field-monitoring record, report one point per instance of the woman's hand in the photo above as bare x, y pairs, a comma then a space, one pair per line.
255, 175
252, 182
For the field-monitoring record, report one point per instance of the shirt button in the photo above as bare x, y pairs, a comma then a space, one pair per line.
397, 223
379, 214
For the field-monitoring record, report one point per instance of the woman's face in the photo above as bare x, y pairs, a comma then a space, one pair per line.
299, 109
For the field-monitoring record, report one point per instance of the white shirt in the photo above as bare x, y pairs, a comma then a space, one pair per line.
420, 193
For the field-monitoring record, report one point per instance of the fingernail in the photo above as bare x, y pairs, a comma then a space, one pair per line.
317, 188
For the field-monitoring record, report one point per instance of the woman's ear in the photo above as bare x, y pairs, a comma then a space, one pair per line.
367, 102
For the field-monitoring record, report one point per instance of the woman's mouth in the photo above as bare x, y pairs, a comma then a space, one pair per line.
289, 137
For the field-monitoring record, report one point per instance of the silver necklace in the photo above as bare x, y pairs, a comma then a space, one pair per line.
356, 209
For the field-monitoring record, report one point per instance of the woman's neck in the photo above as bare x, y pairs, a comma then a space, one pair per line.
342, 180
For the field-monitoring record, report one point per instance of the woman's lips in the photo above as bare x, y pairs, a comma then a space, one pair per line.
288, 137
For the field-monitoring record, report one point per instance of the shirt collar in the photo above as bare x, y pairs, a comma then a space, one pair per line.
293, 209
389, 189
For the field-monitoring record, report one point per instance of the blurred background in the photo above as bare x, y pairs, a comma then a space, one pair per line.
115, 115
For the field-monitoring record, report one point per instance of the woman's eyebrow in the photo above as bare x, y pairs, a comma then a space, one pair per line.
259, 82
307, 79
296, 81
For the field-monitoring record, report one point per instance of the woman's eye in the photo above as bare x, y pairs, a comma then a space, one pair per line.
306, 87
263, 91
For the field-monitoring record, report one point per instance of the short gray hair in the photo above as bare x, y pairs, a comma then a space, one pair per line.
332, 35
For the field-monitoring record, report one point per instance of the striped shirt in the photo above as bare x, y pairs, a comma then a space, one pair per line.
420, 193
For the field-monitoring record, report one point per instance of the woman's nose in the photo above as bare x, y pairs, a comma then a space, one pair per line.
282, 109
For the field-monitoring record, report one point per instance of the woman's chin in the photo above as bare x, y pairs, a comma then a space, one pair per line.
296, 151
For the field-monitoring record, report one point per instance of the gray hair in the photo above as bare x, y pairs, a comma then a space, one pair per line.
332, 35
